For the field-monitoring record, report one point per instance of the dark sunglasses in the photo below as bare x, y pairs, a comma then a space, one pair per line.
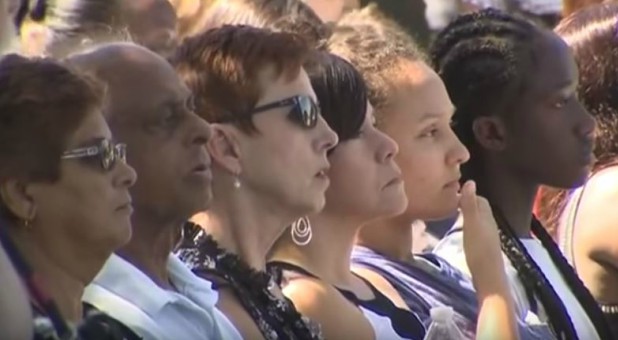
107, 153
305, 111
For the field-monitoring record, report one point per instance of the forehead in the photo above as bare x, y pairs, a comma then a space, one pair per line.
280, 87
555, 65
138, 88
93, 127
420, 91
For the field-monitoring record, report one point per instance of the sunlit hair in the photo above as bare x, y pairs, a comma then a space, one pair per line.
221, 67
375, 45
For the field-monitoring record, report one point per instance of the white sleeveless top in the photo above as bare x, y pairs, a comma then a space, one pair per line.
382, 326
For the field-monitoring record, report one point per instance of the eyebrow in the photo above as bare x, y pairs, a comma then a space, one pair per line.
567, 84
89, 142
436, 115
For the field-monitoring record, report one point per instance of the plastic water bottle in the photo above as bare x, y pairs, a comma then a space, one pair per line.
442, 325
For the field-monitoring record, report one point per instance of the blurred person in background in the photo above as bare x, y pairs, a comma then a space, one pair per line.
332, 10
8, 33
571, 6
546, 12
292, 16
61, 27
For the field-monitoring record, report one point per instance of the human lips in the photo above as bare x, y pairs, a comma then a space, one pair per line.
202, 168
454, 184
127, 205
395, 180
323, 173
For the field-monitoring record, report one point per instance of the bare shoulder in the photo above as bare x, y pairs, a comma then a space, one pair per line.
382, 285
338, 317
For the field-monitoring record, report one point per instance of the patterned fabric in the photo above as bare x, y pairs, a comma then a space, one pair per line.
276, 317
48, 323
387, 320
425, 283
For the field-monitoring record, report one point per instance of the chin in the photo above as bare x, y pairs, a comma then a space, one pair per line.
198, 202
124, 234
393, 208
317, 205
438, 211
569, 182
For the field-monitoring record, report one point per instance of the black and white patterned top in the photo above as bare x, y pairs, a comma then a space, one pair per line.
275, 316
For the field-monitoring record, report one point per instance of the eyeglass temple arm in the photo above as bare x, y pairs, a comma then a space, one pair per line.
80, 152
275, 105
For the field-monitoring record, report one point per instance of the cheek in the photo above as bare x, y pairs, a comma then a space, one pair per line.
353, 180
288, 153
155, 166
418, 168
80, 200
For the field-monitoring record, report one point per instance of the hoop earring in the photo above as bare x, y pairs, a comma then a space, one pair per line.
301, 231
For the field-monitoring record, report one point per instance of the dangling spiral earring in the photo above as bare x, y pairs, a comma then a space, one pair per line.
301, 231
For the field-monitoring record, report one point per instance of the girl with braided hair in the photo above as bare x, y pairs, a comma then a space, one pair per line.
514, 88
585, 218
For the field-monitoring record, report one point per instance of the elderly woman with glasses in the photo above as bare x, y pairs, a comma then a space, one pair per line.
64, 197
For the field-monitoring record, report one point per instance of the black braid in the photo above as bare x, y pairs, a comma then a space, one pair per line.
486, 59
576, 286
480, 57
533, 279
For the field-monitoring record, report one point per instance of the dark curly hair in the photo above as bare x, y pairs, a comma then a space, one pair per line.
375, 45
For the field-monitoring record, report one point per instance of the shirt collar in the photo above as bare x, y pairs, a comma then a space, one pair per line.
125, 280
190, 285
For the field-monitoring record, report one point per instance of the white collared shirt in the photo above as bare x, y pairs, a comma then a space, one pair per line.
128, 295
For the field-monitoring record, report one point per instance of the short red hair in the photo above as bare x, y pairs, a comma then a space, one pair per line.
222, 66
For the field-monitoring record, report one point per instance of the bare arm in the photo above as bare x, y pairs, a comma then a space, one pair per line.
597, 219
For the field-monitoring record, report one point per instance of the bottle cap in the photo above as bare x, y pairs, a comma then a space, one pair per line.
442, 313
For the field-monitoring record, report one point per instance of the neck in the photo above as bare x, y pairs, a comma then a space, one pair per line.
150, 247
245, 227
390, 237
512, 196
328, 254
64, 268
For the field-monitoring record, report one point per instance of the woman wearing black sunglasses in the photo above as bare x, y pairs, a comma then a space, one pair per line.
64, 193
268, 147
